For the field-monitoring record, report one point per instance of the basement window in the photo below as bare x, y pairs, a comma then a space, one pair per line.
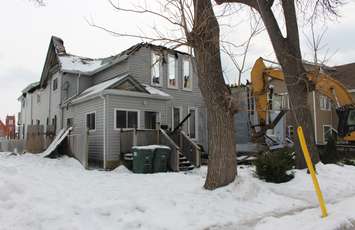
91, 121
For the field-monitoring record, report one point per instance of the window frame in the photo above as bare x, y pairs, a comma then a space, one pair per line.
323, 100
173, 57
188, 59
172, 115
126, 110
152, 65
55, 84
324, 133
86, 121
196, 123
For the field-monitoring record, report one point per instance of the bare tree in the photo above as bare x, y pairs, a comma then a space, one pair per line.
239, 59
288, 53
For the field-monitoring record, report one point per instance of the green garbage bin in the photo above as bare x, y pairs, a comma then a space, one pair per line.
142, 159
161, 158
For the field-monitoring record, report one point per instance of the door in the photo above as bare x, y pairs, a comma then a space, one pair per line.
150, 120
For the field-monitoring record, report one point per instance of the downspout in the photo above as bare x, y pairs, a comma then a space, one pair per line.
77, 84
315, 117
104, 129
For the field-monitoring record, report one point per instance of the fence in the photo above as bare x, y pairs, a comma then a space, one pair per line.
142, 137
15, 146
78, 147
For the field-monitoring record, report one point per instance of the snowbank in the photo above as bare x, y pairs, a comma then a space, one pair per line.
39, 193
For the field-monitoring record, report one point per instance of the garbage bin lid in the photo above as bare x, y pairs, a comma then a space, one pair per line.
152, 147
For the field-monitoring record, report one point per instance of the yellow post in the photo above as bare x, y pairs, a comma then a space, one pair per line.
307, 157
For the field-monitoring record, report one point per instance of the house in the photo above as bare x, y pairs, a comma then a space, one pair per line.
8, 130
322, 109
144, 87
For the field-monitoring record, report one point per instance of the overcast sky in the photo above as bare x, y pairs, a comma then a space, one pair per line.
26, 30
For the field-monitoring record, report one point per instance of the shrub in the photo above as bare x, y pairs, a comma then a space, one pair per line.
329, 154
273, 166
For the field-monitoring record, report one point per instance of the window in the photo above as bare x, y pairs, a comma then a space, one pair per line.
172, 80
91, 121
290, 131
38, 122
55, 84
324, 103
150, 120
176, 117
156, 63
126, 119
38, 98
192, 123
23, 102
351, 118
69, 122
327, 133
187, 78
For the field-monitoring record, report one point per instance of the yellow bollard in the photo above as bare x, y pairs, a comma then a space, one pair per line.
307, 157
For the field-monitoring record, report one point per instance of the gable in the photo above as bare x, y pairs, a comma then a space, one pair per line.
129, 85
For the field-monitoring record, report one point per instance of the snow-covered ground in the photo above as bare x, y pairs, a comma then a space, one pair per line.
38, 193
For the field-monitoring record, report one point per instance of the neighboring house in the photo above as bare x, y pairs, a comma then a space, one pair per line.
145, 86
3, 130
8, 130
322, 109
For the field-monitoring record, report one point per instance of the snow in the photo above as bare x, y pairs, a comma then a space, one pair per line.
72, 63
152, 147
41, 193
98, 88
155, 91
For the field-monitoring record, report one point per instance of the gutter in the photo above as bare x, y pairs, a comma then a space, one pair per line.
104, 129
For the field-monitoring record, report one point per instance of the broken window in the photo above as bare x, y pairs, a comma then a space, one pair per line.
187, 78
324, 103
156, 65
327, 133
172, 79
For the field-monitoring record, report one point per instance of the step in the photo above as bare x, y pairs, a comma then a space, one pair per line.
185, 164
186, 168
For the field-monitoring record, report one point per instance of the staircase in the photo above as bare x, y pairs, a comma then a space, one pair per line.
184, 163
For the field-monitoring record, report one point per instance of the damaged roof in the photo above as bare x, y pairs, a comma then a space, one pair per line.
344, 74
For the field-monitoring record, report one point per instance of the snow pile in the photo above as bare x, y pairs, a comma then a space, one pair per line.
71, 63
41, 193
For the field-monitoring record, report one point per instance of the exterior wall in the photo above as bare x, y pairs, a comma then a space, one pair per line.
114, 71
129, 103
241, 124
55, 100
69, 86
140, 68
96, 138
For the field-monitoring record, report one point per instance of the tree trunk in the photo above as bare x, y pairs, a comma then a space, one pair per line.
298, 89
217, 97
